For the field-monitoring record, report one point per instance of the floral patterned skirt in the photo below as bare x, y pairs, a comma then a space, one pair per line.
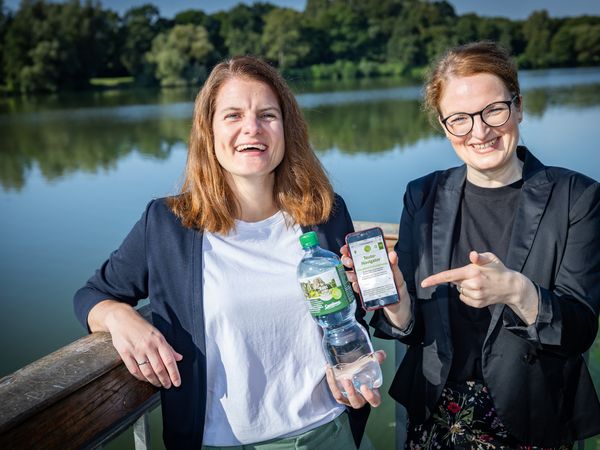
465, 419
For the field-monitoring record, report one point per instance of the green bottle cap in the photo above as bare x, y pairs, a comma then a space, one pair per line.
309, 239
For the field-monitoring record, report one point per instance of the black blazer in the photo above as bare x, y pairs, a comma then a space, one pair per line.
162, 260
537, 378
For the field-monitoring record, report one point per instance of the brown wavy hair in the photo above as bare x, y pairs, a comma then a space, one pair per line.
466, 60
301, 189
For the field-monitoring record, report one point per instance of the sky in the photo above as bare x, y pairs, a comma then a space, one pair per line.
513, 9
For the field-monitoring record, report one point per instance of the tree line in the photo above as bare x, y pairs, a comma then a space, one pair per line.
51, 46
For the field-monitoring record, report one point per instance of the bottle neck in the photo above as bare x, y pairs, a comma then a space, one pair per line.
310, 248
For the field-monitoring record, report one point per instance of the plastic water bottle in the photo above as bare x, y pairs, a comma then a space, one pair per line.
331, 302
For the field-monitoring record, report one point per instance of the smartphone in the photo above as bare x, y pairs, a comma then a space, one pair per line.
372, 268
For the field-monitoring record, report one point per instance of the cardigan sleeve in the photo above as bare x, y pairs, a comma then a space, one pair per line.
123, 276
344, 225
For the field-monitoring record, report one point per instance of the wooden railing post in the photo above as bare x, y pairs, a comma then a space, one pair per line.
141, 433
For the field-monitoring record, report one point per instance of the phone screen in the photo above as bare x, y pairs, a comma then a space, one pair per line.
372, 267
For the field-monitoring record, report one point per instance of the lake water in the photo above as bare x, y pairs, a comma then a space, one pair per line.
76, 171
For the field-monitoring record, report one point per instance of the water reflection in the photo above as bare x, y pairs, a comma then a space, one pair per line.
372, 127
537, 101
66, 144
88, 133
104, 98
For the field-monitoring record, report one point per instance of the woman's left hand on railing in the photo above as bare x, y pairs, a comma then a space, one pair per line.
144, 350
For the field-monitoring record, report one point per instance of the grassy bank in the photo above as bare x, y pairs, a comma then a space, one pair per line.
114, 82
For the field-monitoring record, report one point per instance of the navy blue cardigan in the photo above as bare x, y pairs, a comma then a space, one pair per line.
161, 259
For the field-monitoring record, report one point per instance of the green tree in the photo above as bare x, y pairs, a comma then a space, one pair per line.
89, 41
576, 42
140, 26
437, 39
314, 8
343, 29
348, 37
422, 31
506, 32
241, 28
4, 20
438, 20
562, 46
538, 32
210, 22
381, 16
190, 16
180, 55
43, 71
406, 49
49, 45
21, 38
587, 44
466, 28
283, 39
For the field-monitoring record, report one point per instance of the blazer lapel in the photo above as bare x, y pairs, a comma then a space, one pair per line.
535, 194
445, 211
531, 207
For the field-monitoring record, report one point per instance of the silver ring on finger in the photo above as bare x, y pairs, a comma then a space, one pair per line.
142, 363
459, 289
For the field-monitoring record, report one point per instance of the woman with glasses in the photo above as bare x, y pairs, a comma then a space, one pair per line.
499, 277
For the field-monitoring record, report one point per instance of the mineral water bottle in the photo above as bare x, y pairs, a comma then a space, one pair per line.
331, 302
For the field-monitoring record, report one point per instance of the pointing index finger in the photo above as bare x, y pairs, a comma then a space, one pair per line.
447, 276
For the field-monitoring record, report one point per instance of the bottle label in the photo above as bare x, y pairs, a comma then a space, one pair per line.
327, 292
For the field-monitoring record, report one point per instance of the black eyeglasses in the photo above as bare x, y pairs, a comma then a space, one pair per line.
494, 115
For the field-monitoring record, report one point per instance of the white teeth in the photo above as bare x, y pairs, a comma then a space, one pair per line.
241, 148
485, 145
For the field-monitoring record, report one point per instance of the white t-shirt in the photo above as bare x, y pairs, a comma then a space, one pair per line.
265, 364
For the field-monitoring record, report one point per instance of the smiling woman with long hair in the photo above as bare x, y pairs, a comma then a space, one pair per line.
232, 344
301, 187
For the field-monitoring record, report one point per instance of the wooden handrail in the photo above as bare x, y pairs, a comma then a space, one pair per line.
72, 398
82, 394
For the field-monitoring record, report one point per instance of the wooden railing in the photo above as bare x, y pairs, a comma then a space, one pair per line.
77, 397
82, 395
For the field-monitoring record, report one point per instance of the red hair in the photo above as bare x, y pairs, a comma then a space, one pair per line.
301, 188
466, 60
